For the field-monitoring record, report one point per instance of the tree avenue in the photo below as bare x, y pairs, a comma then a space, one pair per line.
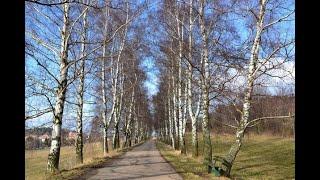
128, 69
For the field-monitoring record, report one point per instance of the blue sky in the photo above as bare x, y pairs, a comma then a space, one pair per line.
152, 73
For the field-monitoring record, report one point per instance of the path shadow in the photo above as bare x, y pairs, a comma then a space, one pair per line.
138, 156
134, 176
94, 171
133, 164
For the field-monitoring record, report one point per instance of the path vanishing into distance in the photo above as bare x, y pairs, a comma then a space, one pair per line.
142, 162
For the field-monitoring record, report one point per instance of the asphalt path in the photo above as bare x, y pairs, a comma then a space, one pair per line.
142, 162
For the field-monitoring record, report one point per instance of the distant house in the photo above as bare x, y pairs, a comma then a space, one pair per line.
30, 137
44, 137
72, 135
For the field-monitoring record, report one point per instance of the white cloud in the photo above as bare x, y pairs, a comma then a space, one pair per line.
283, 75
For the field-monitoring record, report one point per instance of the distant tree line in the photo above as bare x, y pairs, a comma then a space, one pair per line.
263, 106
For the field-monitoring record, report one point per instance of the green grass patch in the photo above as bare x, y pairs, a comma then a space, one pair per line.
261, 157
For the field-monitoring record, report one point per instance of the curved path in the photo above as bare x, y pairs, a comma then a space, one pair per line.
142, 162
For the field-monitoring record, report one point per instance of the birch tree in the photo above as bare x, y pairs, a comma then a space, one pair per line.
205, 86
79, 140
128, 126
254, 67
54, 154
61, 80
179, 82
118, 110
103, 85
193, 115
170, 118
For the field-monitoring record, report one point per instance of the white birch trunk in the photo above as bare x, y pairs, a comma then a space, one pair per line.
104, 95
193, 117
104, 99
116, 136
116, 143
79, 140
205, 88
235, 148
179, 83
184, 122
141, 132
132, 123
175, 119
171, 125
54, 154
115, 75
166, 124
128, 130
136, 128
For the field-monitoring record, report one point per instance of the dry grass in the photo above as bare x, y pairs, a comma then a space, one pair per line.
261, 157
36, 160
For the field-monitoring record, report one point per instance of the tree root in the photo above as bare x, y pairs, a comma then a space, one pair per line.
219, 166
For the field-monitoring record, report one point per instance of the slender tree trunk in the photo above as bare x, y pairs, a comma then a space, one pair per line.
205, 89
179, 84
142, 132
128, 125
184, 117
104, 99
116, 137
166, 124
104, 95
116, 126
79, 140
205, 128
195, 151
175, 119
54, 154
113, 115
115, 140
115, 131
132, 124
235, 148
171, 125
136, 127
195, 146
120, 105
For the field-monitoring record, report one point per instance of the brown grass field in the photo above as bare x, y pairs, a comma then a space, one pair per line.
36, 160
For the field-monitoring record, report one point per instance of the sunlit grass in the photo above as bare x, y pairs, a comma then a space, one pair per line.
36, 160
261, 157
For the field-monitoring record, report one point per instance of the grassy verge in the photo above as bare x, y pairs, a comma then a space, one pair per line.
187, 167
261, 157
36, 161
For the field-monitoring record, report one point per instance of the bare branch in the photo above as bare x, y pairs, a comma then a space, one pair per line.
271, 117
69, 1
277, 21
45, 111
39, 41
225, 124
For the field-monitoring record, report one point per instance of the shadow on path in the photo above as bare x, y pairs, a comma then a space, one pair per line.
143, 162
